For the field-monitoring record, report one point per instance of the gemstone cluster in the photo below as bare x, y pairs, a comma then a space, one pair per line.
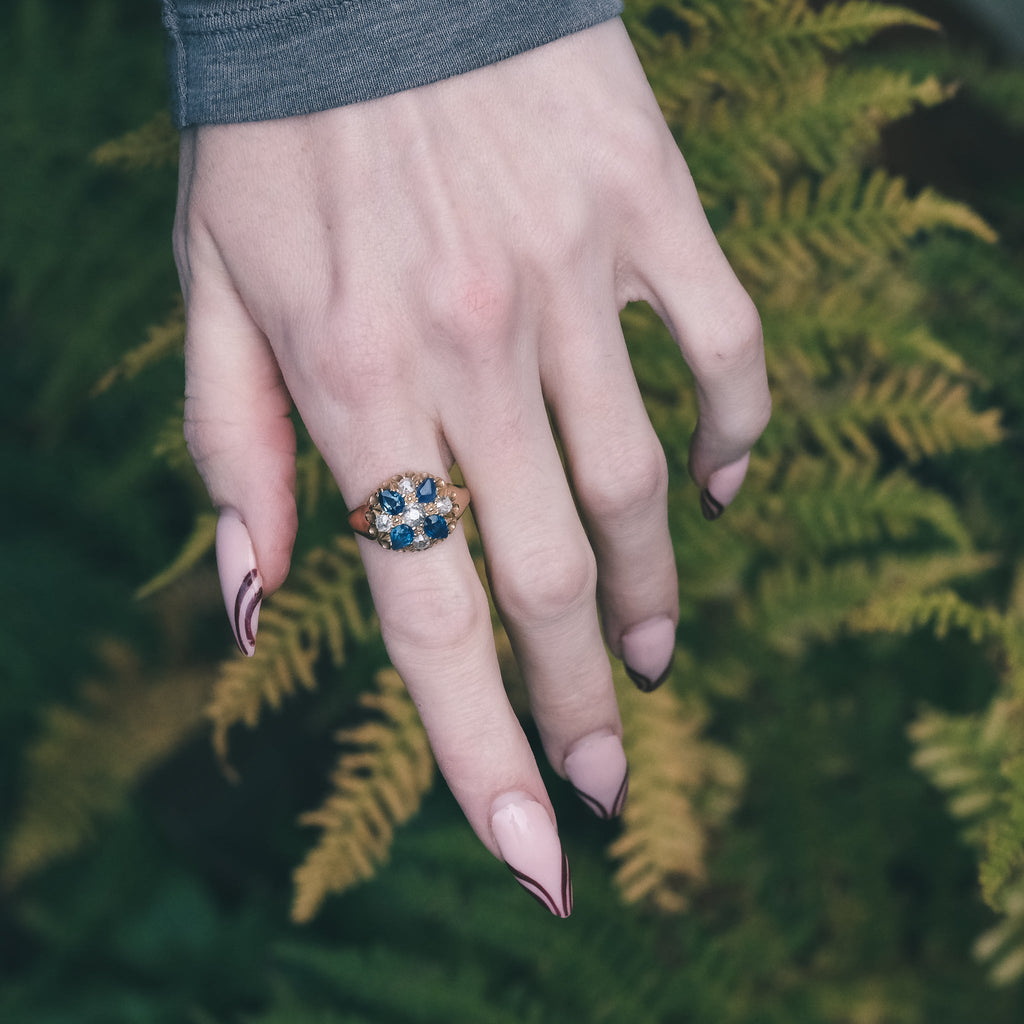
412, 512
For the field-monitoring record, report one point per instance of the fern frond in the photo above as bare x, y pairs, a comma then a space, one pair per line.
154, 144
162, 340
921, 411
821, 507
924, 413
170, 443
804, 233
87, 759
820, 120
978, 760
681, 786
838, 26
797, 603
317, 611
379, 783
941, 611
736, 47
199, 543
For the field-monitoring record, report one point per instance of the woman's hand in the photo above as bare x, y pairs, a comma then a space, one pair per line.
428, 276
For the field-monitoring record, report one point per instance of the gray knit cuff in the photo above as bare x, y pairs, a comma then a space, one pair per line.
253, 60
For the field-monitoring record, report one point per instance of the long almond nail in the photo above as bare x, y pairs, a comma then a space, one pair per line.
240, 579
648, 650
599, 774
529, 846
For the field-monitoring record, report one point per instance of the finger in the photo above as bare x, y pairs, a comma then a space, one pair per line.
620, 478
690, 283
436, 624
542, 573
241, 438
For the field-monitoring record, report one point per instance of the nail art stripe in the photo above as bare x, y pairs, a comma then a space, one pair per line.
599, 808
646, 685
542, 896
250, 593
710, 506
620, 797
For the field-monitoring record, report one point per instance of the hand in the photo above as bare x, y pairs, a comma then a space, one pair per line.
427, 275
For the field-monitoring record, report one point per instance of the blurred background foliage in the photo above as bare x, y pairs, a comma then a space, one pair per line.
840, 889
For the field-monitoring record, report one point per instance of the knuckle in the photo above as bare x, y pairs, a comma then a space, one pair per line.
640, 149
733, 341
472, 304
634, 475
548, 582
344, 362
439, 614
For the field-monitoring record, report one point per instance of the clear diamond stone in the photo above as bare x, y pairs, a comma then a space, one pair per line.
383, 523
406, 485
444, 505
413, 516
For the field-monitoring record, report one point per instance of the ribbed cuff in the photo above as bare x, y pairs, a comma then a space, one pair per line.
254, 60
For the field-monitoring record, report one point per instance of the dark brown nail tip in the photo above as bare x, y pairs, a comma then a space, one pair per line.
559, 907
598, 809
646, 685
710, 506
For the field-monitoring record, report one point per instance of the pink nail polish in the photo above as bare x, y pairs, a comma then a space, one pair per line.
723, 485
599, 774
647, 652
529, 846
240, 580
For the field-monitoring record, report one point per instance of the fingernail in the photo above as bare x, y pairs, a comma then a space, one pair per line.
723, 485
529, 846
240, 580
599, 774
648, 650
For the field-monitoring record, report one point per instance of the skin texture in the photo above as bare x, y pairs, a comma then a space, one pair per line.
427, 276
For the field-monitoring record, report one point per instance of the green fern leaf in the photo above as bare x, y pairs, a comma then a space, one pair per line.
155, 144
162, 340
88, 759
379, 783
316, 612
681, 786
941, 611
796, 603
848, 222
821, 507
922, 412
198, 545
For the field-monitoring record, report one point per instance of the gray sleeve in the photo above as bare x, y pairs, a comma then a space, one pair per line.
253, 60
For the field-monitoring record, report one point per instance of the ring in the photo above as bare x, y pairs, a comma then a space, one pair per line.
410, 512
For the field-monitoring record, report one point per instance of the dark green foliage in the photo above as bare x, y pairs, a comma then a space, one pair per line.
776, 796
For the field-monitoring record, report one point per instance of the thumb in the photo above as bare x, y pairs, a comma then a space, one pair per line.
240, 436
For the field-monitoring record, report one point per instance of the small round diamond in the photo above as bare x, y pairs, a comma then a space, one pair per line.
444, 505
405, 485
383, 523
413, 516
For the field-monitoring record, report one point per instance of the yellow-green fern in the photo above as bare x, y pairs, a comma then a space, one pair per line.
379, 782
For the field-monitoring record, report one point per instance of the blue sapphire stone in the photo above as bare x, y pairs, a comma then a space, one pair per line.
427, 491
401, 537
435, 527
392, 502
